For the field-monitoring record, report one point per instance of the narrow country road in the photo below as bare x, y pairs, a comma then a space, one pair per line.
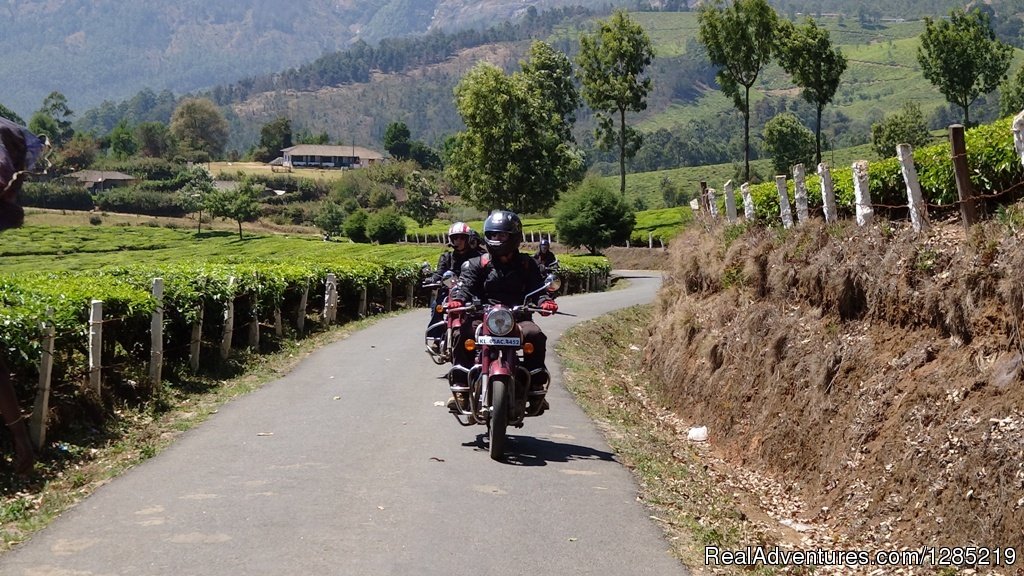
348, 465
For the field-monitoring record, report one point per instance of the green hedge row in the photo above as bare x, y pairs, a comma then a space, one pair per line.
993, 163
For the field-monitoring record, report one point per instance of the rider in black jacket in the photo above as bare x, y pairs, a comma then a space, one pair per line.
545, 257
460, 238
503, 275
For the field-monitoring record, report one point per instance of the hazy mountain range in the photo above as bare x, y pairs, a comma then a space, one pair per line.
95, 50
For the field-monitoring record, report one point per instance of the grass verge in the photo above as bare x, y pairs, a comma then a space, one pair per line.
602, 362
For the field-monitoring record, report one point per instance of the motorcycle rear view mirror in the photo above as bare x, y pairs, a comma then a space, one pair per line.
552, 283
448, 279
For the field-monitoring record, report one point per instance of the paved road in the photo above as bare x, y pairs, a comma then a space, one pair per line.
346, 466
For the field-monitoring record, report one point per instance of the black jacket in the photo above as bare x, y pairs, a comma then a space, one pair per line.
494, 282
453, 261
545, 258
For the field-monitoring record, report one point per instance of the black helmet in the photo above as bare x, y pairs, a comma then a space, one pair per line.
474, 239
544, 243
503, 221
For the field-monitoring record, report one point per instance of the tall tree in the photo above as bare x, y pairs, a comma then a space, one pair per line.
275, 136
154, 138
513, 153
425, 199
612, 62
122, 142
962, 57
53, 119
806, 53
550, 73
396, 140
740, 39
199, 126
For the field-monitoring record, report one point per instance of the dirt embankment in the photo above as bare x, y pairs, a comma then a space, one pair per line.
875, 373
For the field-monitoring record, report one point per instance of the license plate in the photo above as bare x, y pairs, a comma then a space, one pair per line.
498, 341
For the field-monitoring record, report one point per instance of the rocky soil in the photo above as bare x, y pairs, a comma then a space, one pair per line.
861, 386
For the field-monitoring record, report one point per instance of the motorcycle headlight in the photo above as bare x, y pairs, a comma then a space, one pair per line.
500, 322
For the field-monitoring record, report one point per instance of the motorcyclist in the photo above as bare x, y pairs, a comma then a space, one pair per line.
460, 239
503, 275
545, 258
19, 151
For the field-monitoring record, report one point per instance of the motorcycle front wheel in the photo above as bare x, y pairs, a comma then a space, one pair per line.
499, 419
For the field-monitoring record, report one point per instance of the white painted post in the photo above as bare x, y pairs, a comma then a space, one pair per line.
650, 239
828, 193
300, 315
254, 325
730, 202
748, 202
229, 321
862, 194
95, 345
37, 427
330, 299
784, 210
1018, 135
802, 212
915, 200
388, 293
362, 302
712, 204
156, 334
197, 340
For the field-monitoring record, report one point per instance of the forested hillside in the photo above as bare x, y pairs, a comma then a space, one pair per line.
95, 51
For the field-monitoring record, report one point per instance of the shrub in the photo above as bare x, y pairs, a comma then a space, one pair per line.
355, 226
136, 201
386, 226
594, 217
57, 196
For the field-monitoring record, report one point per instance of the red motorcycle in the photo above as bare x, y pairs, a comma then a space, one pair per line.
497, 392
440, 349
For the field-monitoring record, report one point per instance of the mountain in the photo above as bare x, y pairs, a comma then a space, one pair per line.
96, 50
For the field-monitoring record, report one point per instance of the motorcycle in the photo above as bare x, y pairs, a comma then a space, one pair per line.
496, 390
441, 353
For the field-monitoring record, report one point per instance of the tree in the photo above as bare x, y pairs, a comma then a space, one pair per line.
122, 143
274, 137
1011, 95
240, 204
385, 226
740, 39
53, 119
424, 199
154, 139
962, 57
78, 153
806, 54
355, 226
904, 127
198, 186
512, 154
330, 219
788, 142
612, 63
11, 115
550, 73
594, 217
396, 140
199, 126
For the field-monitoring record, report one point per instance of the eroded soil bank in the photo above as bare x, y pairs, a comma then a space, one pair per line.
875, 373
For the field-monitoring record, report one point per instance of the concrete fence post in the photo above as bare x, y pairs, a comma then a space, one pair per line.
712, 203
862, 194
156, 334
730, 202
828, 193
196, 341
41, 409
330, 299
1018, 135
362, 302
229, 321
95, 345
915, 200
784, 209
748, 202
388, 292
800, 184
